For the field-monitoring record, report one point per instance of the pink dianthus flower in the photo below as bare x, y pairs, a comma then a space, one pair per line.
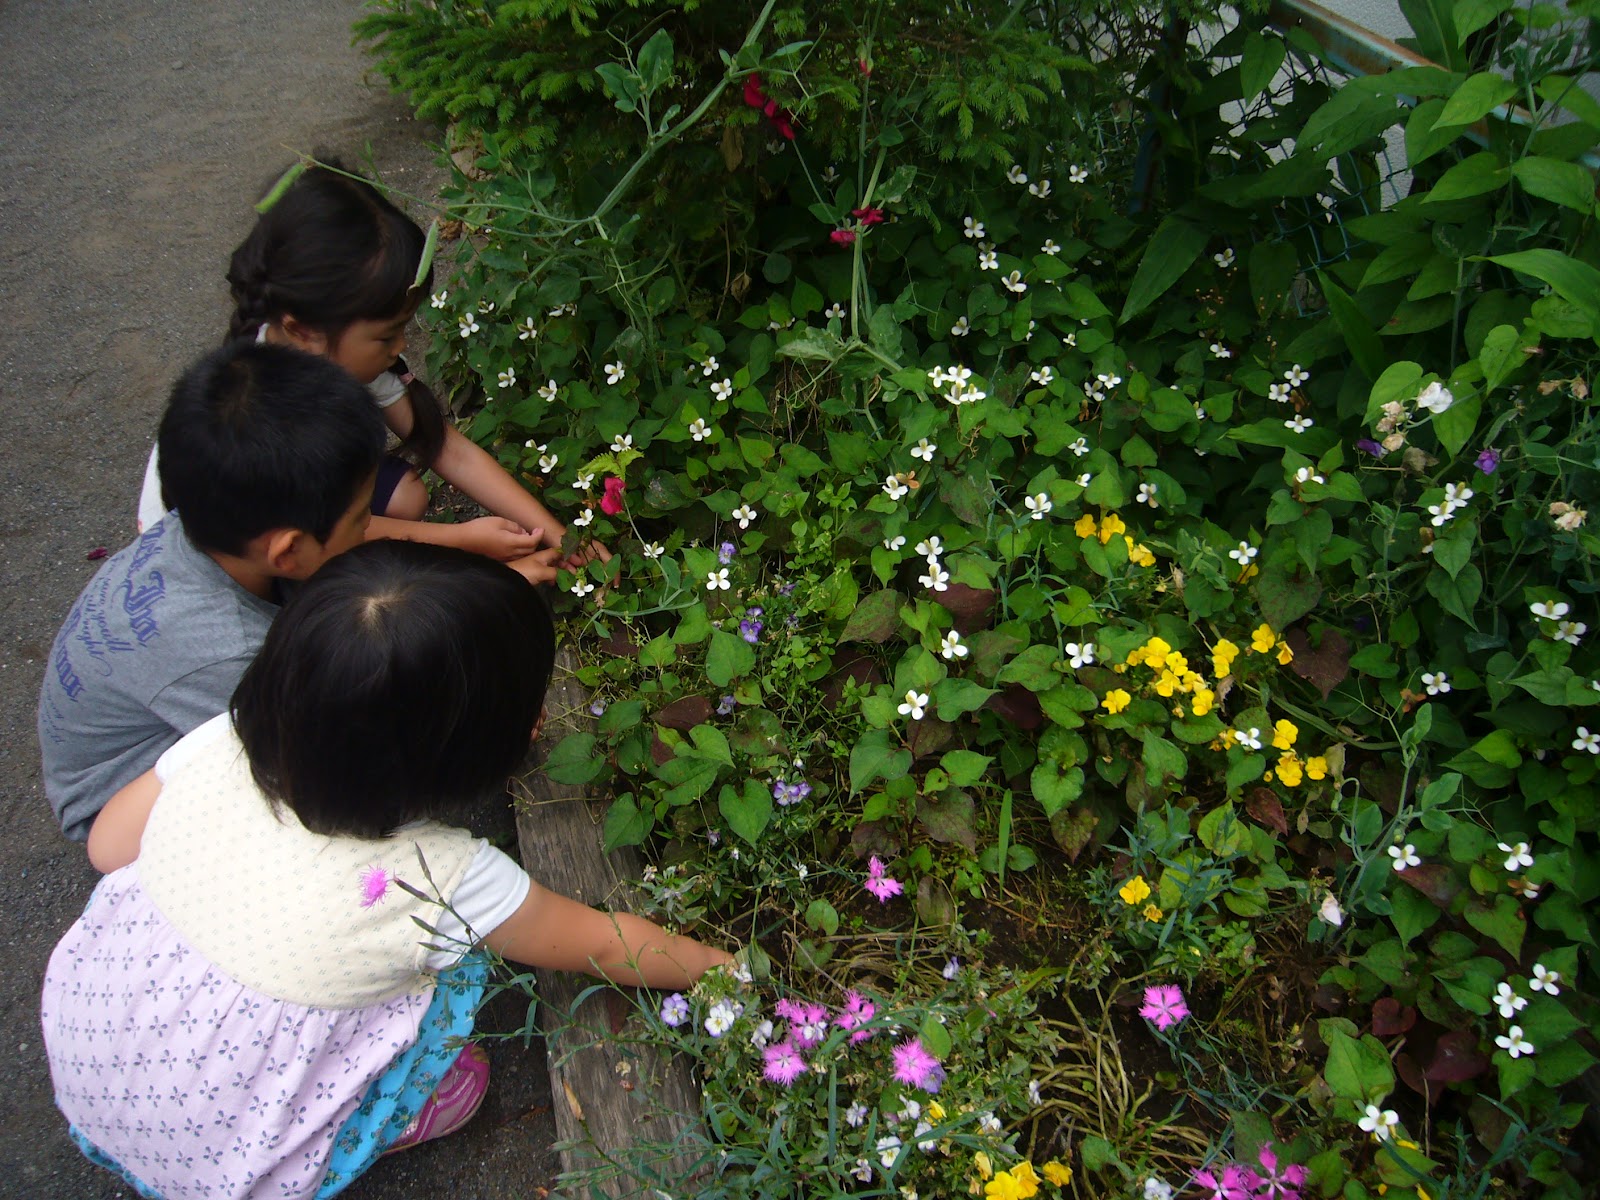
1164, 1005
783, 1064
915, 1066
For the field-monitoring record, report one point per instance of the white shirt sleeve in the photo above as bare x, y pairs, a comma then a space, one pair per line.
185, 747
386, 389
493, 888
151, 509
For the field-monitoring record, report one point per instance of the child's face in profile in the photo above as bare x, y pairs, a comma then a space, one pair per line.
368, 348
348, 533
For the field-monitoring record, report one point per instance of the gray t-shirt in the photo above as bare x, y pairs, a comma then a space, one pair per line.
152, 649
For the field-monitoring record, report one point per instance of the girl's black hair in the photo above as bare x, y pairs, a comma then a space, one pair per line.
401, 682
334, 250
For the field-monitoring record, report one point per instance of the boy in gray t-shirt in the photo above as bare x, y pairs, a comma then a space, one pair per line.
268, 457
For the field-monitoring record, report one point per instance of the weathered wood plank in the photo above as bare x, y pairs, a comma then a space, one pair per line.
610, 1094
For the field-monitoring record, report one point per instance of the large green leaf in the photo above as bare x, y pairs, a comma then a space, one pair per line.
1574, 281
1171, 252
1365, 346
1262, 57
1474, 99
1358, 1069
747, 811
1563, 183
729, 657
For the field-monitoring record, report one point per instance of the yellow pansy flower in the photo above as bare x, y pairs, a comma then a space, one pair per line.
1003, 1187
1136, 656
1222, 656
1204, 699
1263, 639
1317, 767
1135, 891
1156, 651
1110, 527
1177, 664
1285, 655
1058, 1173
1191, 681
1289, 771
1140, 555
1116, 701
1024, 1174
1085, 526
1152, 913
984, 1165
935, 1110
1167, 684
1284, 733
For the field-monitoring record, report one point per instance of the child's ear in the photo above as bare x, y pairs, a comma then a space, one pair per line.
284, 551
302, 336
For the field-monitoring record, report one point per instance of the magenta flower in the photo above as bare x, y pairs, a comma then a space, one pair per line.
915, 1066
879, 883
1273, 1184
843, 237
375, 881
857, 1011
790, 1010
1164, 1005
1234, 1183
784, 1064
611, 502
808, 1025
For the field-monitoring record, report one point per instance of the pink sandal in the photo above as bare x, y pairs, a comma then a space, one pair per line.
453, 1103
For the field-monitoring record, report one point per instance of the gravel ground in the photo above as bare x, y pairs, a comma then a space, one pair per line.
137, 134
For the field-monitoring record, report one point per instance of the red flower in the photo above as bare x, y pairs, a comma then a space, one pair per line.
779, 117
868, 216
864, 65
843, 237
611, 502
753, 95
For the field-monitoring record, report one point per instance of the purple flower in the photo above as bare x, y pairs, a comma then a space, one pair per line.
750, 631
915, 1066
755, 610
857, 1011
784, 1064
1164, 1005
1273, 1184
790, 793
675, 1009
725, 553
724, 706
879, 883
784, 589
1368, 446
1488, 460
375, 882
598, 708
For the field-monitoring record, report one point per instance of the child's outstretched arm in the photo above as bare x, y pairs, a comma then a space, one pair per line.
553, 931
117, 830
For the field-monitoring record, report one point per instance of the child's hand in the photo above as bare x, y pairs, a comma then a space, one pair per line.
587, 553
539, 567
496, 537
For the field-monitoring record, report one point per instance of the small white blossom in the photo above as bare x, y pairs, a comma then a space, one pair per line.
1077, 174
1570, 632
1038, 505
1042, 376
970, 228
710, 366
1071, 339
1514, 1043
888, 1150
761, 1035
549, 462
1517, 856
1147, 495
468, 324
831, 175
1079, 654
1014, 283
937, 579
485, 307
653, 550
1296, 375
1509, 1003
1250, 738
856, 1115
950, 646
1330, 911
1586, 740
1278, 392
1298, 424
894, 543
1457, 494
930, 548
1307, 475
718, 579
988, 260
1218, 350
1050, 248
989, 1123
1157, 1189
961, 328
834, 310
924, 449
914, 705
699, 430
1225, 259
584, 518
584, 481
1243, 553
1404, 856
722, 389
1545, 980
582, 587
615, 372
440, 298
548, 392
623, 441
1040, 189
744, 514
894, 488
1035, 1097
527, 330
1083, 480
1080, 447
1108, 381
1549, 611
720, 1019
1016, 175
1436, 682
1380, 1123
1436, 398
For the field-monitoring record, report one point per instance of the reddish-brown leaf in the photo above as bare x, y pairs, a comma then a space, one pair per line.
1265, 809
1017, 705
1326, 667
1433, 880
969, 608
1390, 1019
684, 714
1456, 1058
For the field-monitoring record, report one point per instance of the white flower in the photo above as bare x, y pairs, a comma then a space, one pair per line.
468, 324
1042, 376
1435, 398
1243, 553
583, 518
961, 328
834, 310
1586, 740
856, 1115
937, 377
1514, 1043
1570, 632
888, 1150
548, 392
1550, 612
709, 367
801, 871
1278, 392
1545, 980
527, 331
1080, 447
989, 1123
1330, 911
1079, 654
1050, 248
970, 228
549, 462
1077, 174
615, 372
1108, 381
699, 430
1250, 738
653, 550
722, 389
988, 260
1016, 175
1083, 480
950, 646
1218, 350
894, 543
1457, 494
1147, 495
744, 514
581, 587
893, 488
1380, 1123
937, 579
831, 175
924, 1144
720, 1019
1307, 475
440, 298
533, 444
1014, 283
1404, 856
914, 705
1516, 856
761, 1035
560, 310
485, 307
862, 1170
1510, 1004
924, 449
1157, 1189
1225, 259
1530, 891
623, 441
718, 579
584, 481
1040, 189
1441, 513
1038, 505
1295, 375
1071, 339
1035, 1097
959, 375
1299, 424
1437, 683
930, 548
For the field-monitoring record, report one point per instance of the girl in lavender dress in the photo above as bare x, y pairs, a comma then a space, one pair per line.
247, 1007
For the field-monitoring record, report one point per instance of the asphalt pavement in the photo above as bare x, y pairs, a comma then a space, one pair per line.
134, 137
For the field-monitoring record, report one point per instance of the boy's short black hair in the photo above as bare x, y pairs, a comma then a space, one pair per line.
259, 437
402, 681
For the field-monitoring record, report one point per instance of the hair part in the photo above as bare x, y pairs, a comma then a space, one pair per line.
333, 250
402, 682
257, 437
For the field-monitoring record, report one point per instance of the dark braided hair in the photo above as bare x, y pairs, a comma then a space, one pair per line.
331, 251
